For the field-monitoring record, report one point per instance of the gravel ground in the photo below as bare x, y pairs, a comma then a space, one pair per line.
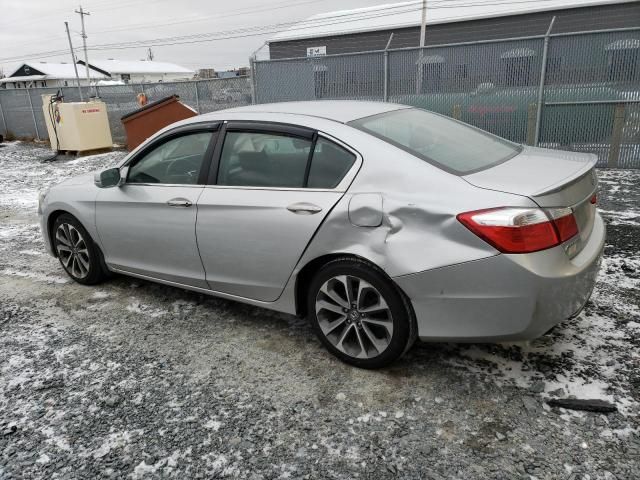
137, 380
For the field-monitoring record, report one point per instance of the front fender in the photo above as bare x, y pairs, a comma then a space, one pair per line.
77, 200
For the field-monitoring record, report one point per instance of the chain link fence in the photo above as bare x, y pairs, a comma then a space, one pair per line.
586, 87
21, 113
577, 92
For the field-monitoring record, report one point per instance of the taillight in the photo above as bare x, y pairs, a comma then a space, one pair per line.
521, 230
564, 221
594, 199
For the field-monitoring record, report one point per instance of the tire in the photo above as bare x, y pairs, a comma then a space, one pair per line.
372, 330
78, 254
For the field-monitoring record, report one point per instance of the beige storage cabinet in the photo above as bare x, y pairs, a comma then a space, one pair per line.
80, 126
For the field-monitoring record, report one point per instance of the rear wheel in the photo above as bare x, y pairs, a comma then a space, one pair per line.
359, 315
78, 255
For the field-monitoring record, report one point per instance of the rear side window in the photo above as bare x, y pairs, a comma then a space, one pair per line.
264, 159
254, 159
450, 145
330, 163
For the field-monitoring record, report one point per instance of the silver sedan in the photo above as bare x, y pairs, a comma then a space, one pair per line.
381, 223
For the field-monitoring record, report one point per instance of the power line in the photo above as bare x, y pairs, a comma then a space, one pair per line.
310, 23
145, 25
208, 17
279, 27
273, 28
37, 19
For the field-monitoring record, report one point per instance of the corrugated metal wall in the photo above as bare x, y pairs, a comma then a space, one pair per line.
568, 20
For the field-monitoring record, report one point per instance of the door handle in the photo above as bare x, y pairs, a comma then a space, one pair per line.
179, 202
304, 208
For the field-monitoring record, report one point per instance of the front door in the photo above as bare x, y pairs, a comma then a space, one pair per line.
273, 188
147, 225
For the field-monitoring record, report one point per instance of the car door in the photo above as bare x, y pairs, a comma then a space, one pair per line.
147, 224
271, 186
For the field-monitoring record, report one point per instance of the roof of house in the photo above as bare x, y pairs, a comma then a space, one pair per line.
409, 14
137, 66
64, 71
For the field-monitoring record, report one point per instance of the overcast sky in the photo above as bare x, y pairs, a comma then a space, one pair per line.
35, 26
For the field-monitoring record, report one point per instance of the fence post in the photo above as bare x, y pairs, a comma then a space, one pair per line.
385, 90
252, 79
616, 136
33, 113
532, 112
195, 83
457, 112
4, 120
543, 77
385, 94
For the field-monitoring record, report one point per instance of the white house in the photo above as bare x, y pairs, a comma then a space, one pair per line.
140, 71
43, 74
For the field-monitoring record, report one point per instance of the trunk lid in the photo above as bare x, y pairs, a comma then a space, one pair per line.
551, 178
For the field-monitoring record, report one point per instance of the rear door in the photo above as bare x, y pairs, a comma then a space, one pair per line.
271, 186
147, 225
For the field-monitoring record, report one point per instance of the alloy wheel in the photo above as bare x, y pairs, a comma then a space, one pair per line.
354, 316
72, 250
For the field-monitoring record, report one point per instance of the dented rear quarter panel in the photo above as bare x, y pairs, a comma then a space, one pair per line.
418, 229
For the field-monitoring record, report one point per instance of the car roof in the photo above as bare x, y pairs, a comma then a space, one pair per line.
338, 110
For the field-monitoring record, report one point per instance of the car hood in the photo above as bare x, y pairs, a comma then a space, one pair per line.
534, 171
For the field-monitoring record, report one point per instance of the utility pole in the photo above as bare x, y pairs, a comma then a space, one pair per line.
423, 34
73, 60
423, 23
82, 14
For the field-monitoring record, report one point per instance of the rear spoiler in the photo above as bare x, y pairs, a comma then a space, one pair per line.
576, 177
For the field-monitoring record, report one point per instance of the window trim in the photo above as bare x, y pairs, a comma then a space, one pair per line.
213, 127
257, 126
267, 127
307, 168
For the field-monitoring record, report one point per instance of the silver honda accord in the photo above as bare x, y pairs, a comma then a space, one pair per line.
379, 222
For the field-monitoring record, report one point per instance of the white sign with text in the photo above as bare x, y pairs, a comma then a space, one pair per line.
316, 51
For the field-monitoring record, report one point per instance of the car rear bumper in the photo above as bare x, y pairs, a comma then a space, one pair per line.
504, 297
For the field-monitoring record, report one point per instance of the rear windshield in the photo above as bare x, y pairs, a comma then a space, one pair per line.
446, 143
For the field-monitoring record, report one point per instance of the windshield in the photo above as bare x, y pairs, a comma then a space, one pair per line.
446, 143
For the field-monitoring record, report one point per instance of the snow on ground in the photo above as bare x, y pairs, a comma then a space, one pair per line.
21, 182
137, 380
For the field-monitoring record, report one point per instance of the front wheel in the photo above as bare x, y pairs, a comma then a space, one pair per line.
359, 315
78, 255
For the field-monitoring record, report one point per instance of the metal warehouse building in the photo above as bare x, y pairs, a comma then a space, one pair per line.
370, 28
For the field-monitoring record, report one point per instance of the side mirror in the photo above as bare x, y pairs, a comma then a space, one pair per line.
108, 178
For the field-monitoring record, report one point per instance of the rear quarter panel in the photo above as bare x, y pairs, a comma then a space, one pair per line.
419, 229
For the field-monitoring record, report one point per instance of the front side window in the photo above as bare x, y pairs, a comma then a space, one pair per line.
177, 161
254, 159
450, 145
